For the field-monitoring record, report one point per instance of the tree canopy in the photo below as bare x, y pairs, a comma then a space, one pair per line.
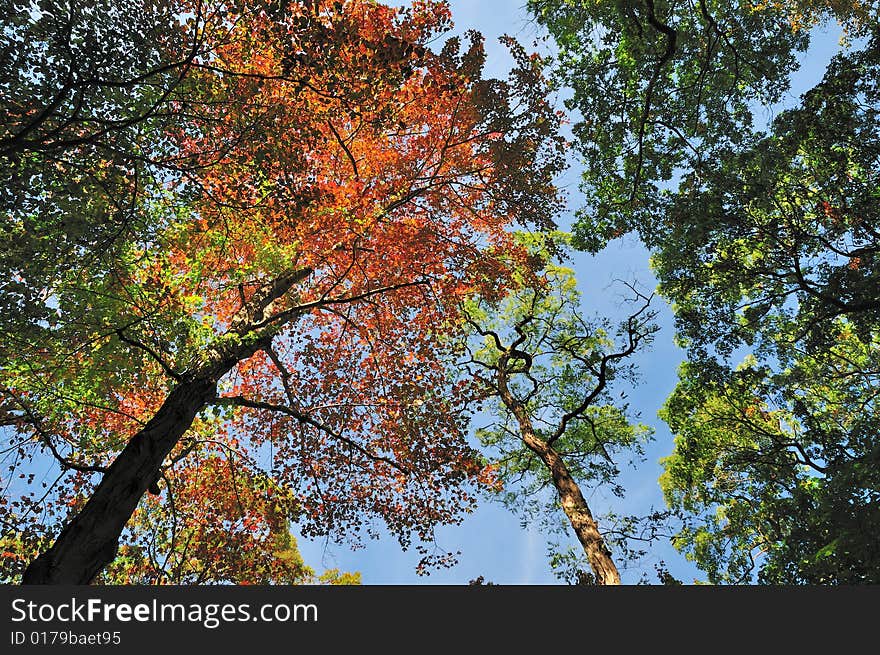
662, 88
764, 242
338, 187
779, 258
264, 264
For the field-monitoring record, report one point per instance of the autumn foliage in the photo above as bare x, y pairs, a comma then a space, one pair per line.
337, 189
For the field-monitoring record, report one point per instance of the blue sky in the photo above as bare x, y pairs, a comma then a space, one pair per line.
492, 542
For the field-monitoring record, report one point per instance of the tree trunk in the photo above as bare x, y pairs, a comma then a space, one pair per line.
578, 512
90, 541
573, 502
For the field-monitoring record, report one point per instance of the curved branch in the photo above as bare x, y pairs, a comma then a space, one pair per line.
240, 401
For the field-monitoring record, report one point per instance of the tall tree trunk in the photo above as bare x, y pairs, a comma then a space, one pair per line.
90, 541
578, 512
573, 502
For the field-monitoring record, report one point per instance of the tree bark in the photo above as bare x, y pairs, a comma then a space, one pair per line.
90, 540
573, 502
578, 512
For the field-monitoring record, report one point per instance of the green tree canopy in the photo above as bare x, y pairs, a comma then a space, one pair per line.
663, 87
86, 90
775, 253
765, 244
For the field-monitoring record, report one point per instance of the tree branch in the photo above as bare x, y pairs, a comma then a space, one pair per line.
240, 401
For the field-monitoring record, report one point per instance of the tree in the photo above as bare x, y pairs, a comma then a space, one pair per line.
86, 90
548, 375
341, 189
765, 245
778, 455
663, 87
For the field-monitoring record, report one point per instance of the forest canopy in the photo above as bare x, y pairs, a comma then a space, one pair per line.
276, 267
